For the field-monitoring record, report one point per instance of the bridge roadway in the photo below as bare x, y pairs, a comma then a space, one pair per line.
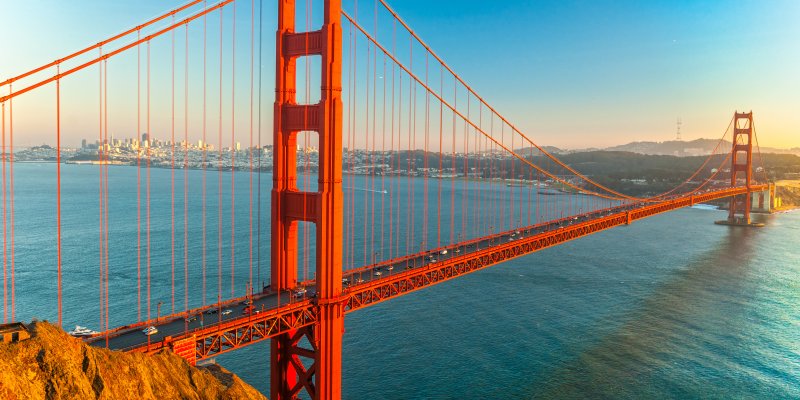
223, 327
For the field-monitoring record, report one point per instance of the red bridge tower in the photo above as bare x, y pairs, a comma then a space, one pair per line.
289, 372
741, 170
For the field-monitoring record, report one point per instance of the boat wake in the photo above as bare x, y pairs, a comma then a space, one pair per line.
384, 191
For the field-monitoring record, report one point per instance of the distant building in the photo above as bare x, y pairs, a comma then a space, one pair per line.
145, 137
83, 143
14, 332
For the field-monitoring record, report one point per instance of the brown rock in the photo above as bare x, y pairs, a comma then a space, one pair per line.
54, 365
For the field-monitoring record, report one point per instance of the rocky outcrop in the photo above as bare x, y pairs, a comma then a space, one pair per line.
789, 193
53, 365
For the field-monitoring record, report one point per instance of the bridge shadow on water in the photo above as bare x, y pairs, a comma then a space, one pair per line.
687, 338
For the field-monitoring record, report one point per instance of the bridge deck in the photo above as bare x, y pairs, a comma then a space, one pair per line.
215, 332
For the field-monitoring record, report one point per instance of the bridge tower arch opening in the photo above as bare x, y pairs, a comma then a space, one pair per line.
308, 359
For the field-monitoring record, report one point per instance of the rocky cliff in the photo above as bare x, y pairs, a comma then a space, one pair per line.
789, 193
53, 365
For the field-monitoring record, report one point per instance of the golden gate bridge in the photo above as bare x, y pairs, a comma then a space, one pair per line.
410, 162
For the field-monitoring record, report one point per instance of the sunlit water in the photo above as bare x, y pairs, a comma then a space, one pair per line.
669, 307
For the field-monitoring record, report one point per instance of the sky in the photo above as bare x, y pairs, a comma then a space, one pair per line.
572, 74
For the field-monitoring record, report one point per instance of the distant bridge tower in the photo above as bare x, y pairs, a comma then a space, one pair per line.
315, 366
741, 167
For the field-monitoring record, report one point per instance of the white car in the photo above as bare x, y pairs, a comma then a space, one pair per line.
150, 330
227, 312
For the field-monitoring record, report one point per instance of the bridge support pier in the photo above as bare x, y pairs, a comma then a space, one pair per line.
741, 168
290, 374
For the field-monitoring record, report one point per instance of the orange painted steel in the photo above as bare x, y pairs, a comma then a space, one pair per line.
495, 112
306, 335
291, 319
742, 142
113, 53
230, 335
322, 379
101, 43
478, 128
377, 291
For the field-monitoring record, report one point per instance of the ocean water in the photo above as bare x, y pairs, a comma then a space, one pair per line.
669, 307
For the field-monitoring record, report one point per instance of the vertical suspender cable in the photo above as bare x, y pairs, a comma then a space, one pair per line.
260, 150
138, 182
346, 153
250, 148
105, 191
219, 175
392, 153
233, 147
412, 159
186, 177
372, 152
204, 149
147, 160
101, 154
366, 150
383, 142
453, 173
58, 190
465, 197
5, 226
172, 179
425, 164
439, 181
400, 221
11, 200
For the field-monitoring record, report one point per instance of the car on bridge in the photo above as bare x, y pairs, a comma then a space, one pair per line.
150, 330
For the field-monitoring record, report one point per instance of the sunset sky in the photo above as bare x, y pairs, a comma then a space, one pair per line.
571, 74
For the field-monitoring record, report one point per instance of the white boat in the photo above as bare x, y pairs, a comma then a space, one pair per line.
80, 331
150, 330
